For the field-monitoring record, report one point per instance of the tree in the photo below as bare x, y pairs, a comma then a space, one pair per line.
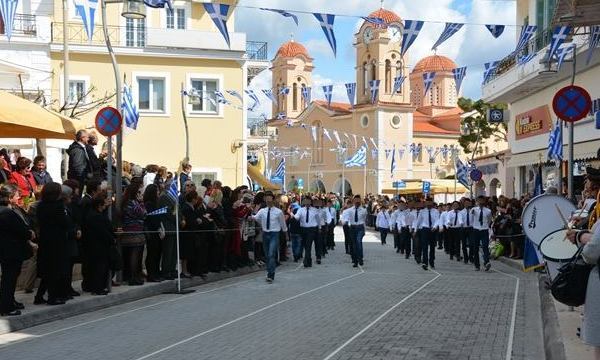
82, 105
476, 125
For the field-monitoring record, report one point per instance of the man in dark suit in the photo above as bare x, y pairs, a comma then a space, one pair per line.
80, 167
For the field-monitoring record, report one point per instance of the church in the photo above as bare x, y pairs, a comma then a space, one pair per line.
419, 132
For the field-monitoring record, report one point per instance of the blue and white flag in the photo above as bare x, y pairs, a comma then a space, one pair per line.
221, 98
459, 75
374, 153
559, 35
128, 109
524, 59
393, 166
562, 53
326, 133
359, 159
336, 135
428, 81
555, 143
84, 8
326, 22
280, 116
374, 20
410, 33
489, 69
218, 14
306, 94
388, 152
280, 171
398, 81
8, 10
401, 152
449, 30
594, 41
283, 13
351, 91
496, 30
236, 95
527, 33
159, 4
173, 191
284, 90
269, 94
374, 143
160, 211
252, 96
462, 173
328, 91
374, 87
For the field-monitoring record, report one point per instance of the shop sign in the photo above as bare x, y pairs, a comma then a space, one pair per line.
533, 122
488, 169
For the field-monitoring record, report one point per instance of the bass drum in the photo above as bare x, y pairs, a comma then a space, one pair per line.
541, 218
557, 248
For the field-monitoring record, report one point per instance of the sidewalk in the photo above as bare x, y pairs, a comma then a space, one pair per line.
39, 314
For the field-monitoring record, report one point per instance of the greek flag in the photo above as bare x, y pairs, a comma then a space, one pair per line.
524, 59
398, 81
160, 211
129, 110
428, 81
84, 8
374, 20
280, 171
410, 33
306, 94
285, 90
326, 22
555, 143
461, 173
489, 69
351, 91
336, 135
359, 159
159, 4
496, 30
459, 75
527, 33
221, 98
326, 133
328, 91
374, 143
449, 30
388, 152
393, 167
593, 42
218, 14
374, 153
401, 152
252, 96
172, 191
280, 116
236, 95
374, 86
284, 13
562, 53
269, 94
559, 35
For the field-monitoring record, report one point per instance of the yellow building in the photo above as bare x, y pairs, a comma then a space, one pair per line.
158, 57
401, 120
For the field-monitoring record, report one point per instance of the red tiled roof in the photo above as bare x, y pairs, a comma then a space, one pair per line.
386, 15
423, 126
435, 63
335, 106
291, 49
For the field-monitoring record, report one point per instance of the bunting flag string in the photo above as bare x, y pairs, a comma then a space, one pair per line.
284, 90
412, 28
280, 116
85, 8
398, 81
159, 4
459, 75
374, 154
374, 143
388, 152
401, 151
269, 94
326, 133
562, 53
374, 86
236, 95
495, 30
524, 59
306, 94
527, 33
373, 20
221, 98
336, 135
364, 140
252, 96
449, 30
326, 21
559, 35
359, 159
347, 138
428, 81
593, 42
351, 91
489, 70
283, 13
218, 14
328, 91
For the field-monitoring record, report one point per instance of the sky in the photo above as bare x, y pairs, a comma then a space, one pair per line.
472, 46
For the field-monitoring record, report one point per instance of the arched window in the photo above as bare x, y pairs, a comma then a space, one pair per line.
365, 78
317, 146
373, 71
388, 76
303, 101
295, 97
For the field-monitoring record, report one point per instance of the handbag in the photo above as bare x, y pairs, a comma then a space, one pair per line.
570, 285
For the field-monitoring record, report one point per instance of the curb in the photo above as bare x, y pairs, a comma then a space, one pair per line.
72, 308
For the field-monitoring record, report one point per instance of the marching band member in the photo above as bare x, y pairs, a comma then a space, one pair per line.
481, 220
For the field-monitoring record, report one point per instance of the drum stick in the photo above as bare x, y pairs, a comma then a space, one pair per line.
562, 217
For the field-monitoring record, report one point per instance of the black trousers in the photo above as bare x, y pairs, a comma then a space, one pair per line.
308, 237
347, 239
330, 235
8, 283
383, 233
454, 235
98, 275
416, 249
153, 253
396, 235
404, 242
169, 256
428, 242
464, 244
320, 240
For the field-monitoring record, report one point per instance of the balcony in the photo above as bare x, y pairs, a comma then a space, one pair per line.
24, 25
257, 55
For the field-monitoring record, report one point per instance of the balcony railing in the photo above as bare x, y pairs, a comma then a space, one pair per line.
24, 24
76, 34
256, 50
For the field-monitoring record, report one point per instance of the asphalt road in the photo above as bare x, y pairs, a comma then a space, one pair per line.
388, 309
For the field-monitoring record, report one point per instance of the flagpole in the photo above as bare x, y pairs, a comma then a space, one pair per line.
343, 174
177, 235
365, 185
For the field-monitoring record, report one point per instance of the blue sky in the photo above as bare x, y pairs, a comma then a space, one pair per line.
472, 46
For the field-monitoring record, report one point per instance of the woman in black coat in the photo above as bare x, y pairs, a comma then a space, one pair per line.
54, 258
15, 246
99, 240
152, 226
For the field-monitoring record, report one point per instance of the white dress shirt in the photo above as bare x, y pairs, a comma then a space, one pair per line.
411, 218
314, 217
349, 216
454, 219
422, 221
325, 216
466, 218
442, 220
383, 220
276, 219
332, 214
486, 219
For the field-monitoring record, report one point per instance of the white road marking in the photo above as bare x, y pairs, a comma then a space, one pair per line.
246, 316
336, 351
513, 320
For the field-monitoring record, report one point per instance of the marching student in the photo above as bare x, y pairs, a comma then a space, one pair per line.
331, 225
443, 234
393, 229
272, 222
355, 217
403, 224
425, 224
382, 223
309, 218
416, 244
454, 226
481, 218
467, 229
324, 220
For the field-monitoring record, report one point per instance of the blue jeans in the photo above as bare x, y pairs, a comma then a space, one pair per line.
296, 245
357, 234
271, 246
480, 238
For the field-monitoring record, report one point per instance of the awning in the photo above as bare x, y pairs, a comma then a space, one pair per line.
20, 118
438, 186
258, 177
582, 151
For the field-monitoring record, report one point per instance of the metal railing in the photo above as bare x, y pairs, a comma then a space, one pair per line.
76, 34
256, 50
24, 24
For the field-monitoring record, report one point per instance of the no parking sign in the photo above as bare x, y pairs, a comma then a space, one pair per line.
109, 121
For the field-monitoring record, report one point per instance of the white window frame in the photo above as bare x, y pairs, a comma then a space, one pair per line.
86, 87
204, 77
187, 6
152, 75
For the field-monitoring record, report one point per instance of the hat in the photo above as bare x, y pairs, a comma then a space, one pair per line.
592, 174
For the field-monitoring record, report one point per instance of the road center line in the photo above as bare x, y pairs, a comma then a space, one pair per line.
247, 316
336, 351
513, 320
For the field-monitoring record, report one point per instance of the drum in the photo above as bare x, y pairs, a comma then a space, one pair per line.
541, 218
557, 248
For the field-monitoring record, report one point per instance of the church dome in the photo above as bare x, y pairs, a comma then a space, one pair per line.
435, 63
292, 49
387, 16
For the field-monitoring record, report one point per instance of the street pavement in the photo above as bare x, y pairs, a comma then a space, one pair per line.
388, 309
